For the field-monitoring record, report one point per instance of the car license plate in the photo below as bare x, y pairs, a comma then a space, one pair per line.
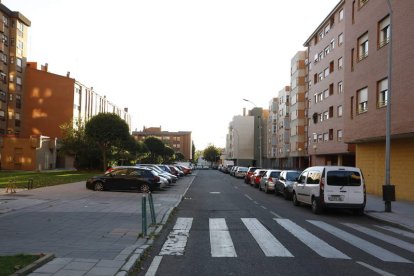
336, 198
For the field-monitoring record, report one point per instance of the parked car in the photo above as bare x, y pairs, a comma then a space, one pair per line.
176, 171
227, 168
331, 187
241, 172
284, 184
233, 170
125, 178
171, 178
256, 177
249, 174
186, 170
267, 183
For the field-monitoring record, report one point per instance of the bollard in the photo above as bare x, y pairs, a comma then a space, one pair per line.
144, 215
151, 204
30, 183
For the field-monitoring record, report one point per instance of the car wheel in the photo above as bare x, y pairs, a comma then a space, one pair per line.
98, 186
286, 194
316, 208
295, 200
144, 188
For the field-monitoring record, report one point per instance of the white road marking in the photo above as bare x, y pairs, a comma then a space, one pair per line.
220, 239
389, 239
248, 197
152, 270
314, 243
276, 215
377, 270
364, 245
177, 239
235, 187
397, 231
263, 207
268, 243
214, 192
255, 202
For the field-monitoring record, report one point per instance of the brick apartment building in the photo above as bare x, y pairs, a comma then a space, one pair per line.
326, 64
368, 28
179, 141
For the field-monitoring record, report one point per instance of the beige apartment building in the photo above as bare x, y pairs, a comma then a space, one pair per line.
240, 140
179, 141
298, 121
271, 141
369, 33
283, 129
326, 51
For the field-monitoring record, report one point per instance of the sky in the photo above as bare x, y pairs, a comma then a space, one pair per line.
184, 65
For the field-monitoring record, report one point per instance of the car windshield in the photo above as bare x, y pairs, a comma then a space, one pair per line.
292, 176
275, 174
343, 178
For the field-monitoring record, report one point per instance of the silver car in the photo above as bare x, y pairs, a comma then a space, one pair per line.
267, 183
284, 185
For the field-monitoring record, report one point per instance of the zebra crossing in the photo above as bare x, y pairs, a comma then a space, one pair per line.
222, 245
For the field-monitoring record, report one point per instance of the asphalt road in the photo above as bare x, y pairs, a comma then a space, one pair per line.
226, 227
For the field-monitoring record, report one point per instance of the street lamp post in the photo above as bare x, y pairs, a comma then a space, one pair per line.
388, 189
260, 133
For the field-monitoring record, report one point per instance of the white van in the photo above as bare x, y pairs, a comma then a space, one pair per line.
330, 187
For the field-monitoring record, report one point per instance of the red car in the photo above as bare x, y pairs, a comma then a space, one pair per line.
186, 170
256, 177
249, 174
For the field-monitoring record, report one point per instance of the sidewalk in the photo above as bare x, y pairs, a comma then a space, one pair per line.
402, 212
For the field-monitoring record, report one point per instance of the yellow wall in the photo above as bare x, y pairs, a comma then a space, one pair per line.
18, 154
370, 158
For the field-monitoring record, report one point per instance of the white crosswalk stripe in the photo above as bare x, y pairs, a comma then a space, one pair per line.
220, 239
397, 231
364, 245
386, 238
221, 243
177, 239
314, 243
268, 243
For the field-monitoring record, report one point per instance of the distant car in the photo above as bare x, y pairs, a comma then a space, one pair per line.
233, 170
241, 172
125, 178
256, 177
267, 183
284, 185
249, 174
186, 170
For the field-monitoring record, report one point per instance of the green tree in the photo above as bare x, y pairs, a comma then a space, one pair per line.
179, 156
75, 143
193, 151
156, 149
169, 155
107, 130
211, 154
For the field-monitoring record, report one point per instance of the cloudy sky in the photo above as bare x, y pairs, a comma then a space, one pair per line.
180, 64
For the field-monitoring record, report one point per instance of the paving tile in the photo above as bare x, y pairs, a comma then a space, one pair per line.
110, 263
66, 272
49, 268
103, 271
61, 261
79, 266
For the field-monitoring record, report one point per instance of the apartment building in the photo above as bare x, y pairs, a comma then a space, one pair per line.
283, 129
51, 100
271, 141
298, 120
326, 51
240, 140
369, 36
179, 141
13, 54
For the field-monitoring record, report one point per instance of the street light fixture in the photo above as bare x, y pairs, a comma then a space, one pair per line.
260, 133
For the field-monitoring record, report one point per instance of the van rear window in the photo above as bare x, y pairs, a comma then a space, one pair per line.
343, 178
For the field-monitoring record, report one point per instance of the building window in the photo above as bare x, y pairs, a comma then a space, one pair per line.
339, 135
331, 131
326, 115
331, 67
326, 93
339, 110
341, 14
331, 111
320, 137
326, 51
362, 96
326, 72
340, 63
332, 44
2, 114
384, 32
340, 39
320, 76
340, 87
3, 96
325, 137
18, 80
18, 101
382, 92
363, 46
362, 3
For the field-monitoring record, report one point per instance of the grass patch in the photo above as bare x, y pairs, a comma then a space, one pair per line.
43, 179
10, 264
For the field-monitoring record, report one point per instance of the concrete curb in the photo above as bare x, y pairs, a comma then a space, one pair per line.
372, 216
35, 265
137, 254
